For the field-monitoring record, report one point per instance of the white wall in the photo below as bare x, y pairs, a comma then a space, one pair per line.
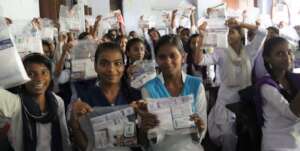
99, 7
20, 9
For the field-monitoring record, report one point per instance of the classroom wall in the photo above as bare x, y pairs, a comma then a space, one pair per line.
99, 7
20, 9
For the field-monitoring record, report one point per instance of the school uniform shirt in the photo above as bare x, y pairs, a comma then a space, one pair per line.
95, 98
10, 107
192, 85
281, 130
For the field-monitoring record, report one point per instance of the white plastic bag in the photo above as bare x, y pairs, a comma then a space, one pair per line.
108, 127
72, 19
12, 70
47, 31
26, 38
216, 32
174, 114
143, 72
83, 60
184, 13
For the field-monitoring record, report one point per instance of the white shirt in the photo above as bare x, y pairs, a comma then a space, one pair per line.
281, 131
43, 137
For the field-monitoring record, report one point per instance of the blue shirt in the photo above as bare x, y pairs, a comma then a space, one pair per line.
95, 97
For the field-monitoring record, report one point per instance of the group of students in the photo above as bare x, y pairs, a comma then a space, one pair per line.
38, 108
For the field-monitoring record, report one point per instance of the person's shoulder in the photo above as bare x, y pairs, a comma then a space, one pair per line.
151, 82
6, 95
193, 79
59, 100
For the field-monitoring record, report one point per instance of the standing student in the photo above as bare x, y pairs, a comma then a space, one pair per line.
278, 101
37, 115
235, 64
173, 82
110, 89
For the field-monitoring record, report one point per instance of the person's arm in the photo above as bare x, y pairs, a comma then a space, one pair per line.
79, 109
295, 105
63, 125
60, 64
173, 16
193, 22
273, 97
9, 103
205, 59
201, 112
96, 26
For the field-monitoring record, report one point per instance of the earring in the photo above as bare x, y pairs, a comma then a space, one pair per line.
270, 65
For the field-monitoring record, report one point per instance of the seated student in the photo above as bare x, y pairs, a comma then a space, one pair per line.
37, 115
122, 41
278, 101
173, 82
110, 89
135, 50
259, 69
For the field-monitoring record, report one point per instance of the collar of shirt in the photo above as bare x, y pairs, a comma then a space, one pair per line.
183, 76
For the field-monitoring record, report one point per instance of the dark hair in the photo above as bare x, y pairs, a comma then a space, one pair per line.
186, 29
46, 43
269, 45
276, 30
108, 46
108, 36
153, 30
132, 42
118, 39
179, 28
83, 35
132, 32
39, 59
190, 40
241, 32
170, 39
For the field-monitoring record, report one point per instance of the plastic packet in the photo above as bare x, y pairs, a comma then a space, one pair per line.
215, 39
72, 19
109, 127
216, 32
83, 60
174, 114
184, 11
13, 72
26, 38
143, 72
47, 31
